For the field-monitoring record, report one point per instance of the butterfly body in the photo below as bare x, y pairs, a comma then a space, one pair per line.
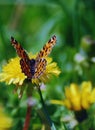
33, 68
32, 64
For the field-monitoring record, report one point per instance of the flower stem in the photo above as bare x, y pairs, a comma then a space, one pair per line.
27, 119
45, 111
29, 107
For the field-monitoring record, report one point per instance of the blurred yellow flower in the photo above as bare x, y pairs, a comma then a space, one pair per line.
78, 97
12, 73
5, 121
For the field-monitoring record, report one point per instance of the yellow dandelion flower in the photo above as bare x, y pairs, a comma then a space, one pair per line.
5, 121
74, 92
78, 97
12, 73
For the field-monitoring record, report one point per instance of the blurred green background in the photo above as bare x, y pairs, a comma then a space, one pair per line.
32, 23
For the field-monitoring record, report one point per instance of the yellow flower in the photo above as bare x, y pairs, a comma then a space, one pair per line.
12, 73
5, 121
78, 97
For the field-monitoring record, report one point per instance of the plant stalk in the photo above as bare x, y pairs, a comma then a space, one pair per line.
28, 117
45, 111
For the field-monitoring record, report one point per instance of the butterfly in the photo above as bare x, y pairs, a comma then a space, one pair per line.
33, 68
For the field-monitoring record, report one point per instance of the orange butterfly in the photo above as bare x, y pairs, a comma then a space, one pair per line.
34, 68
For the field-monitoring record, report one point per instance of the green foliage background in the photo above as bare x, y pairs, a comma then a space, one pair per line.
32, 23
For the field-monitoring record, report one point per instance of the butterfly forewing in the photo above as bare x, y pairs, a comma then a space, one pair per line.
20, 51
47, 48
41, 62
25, 61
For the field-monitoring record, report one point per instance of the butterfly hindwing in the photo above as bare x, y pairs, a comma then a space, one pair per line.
41, 66
25, 66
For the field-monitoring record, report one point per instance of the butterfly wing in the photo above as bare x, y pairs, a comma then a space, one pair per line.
25, 66
47, 48
25, 61
40, 68
40, 64
20, 51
